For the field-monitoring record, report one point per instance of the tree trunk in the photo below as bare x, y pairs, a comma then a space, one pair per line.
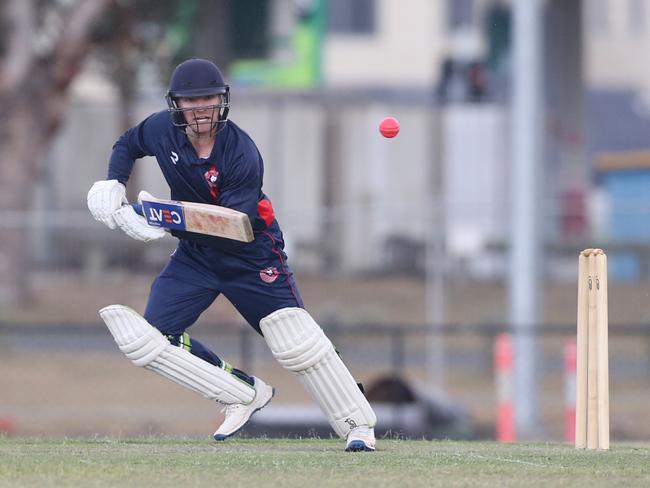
33, 88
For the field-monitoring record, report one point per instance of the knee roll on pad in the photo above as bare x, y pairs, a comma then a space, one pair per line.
145, 346
300, 345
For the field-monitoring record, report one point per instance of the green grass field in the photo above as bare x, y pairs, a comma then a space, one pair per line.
286, 463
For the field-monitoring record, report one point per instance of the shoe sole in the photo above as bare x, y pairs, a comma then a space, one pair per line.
358, 446
223, 437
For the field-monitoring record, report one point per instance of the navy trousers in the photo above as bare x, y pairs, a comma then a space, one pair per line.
257, 282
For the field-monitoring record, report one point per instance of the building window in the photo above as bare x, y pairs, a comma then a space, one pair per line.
352, 16
460, 13
249, 37
636, 15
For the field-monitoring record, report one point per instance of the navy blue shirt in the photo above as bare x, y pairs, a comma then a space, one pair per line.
231, 176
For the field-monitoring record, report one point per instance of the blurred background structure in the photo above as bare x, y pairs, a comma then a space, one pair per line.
405, 249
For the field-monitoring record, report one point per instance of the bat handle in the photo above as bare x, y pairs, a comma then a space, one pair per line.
138, 208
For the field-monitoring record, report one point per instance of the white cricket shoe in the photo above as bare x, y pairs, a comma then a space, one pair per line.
237, 414
361, 439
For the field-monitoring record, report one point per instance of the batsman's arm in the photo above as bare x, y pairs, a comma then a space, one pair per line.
241, 189
135, 143
106, 197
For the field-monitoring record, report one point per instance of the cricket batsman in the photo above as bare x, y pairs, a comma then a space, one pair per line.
207, 158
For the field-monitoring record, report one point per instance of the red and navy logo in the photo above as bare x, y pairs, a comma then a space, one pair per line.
269, 275
212, 178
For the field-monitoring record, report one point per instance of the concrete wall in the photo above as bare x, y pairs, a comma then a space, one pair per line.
617, 40
477, 162
413, 31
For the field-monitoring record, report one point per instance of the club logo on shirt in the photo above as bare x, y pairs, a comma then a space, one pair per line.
174, 157
212, 177
269, 275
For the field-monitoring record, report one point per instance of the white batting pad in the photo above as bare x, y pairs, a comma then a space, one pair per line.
136, 226
300, 345
104, 197
147, 347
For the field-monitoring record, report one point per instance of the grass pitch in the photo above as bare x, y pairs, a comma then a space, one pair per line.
287, 463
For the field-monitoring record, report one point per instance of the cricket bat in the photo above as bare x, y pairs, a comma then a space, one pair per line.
201, 218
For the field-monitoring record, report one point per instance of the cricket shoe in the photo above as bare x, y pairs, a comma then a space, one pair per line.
237, 414
361, 439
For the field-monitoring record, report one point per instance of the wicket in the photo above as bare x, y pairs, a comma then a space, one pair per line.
592, 369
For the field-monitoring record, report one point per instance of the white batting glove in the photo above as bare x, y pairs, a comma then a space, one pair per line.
145, 195
135, 225
104, 198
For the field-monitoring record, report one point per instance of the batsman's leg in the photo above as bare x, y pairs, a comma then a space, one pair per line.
300, 345
237, 414
146, 346
179, 295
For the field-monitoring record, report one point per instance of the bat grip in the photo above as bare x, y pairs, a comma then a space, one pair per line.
138, 208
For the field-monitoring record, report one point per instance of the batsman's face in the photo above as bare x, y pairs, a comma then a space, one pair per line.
201, 113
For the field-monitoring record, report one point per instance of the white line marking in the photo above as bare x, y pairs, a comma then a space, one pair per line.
514, 461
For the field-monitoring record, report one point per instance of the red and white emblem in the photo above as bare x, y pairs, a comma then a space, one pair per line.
269, 275
212, 177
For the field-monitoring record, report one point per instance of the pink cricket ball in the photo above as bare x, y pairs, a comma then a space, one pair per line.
389, 127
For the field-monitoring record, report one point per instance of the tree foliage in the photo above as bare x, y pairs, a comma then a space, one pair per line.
43, 47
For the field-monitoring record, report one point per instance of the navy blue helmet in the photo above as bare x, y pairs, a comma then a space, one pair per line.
193, 78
